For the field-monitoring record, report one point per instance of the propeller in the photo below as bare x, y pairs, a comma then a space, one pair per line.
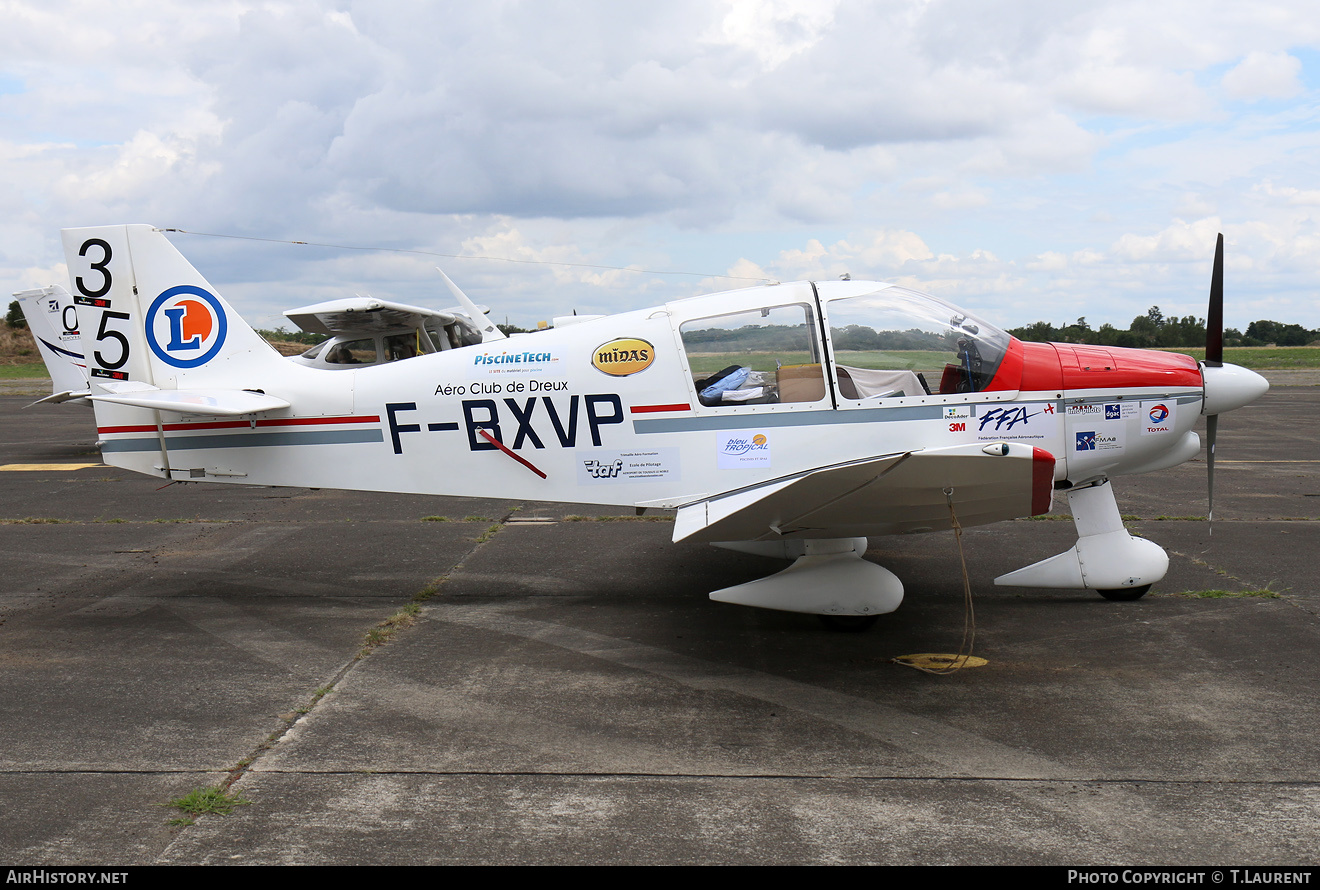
488, 330
1226, 386
1214, 358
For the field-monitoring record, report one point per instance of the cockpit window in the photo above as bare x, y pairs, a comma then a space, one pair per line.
759, 357
402, 346
355, 352
897, 342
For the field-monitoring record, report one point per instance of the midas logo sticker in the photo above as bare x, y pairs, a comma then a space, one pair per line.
624, 356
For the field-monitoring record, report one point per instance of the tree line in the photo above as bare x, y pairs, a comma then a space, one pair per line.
1154, 330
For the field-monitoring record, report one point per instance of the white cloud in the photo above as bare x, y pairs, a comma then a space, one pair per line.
773, 30
1264, 75
1042, 154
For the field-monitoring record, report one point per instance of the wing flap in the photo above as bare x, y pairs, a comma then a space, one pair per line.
884, 495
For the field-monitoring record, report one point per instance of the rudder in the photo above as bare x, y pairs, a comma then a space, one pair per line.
148, 316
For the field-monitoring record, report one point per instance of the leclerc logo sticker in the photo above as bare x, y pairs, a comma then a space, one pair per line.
186, 326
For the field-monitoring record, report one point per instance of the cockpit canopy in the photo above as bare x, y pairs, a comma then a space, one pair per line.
885, 342
894, 328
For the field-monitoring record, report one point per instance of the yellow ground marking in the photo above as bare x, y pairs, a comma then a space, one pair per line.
936, 662
20, 467
1267, 461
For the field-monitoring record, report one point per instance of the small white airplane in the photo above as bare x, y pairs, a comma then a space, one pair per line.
366, 331
789, 420
359, 331
53, 320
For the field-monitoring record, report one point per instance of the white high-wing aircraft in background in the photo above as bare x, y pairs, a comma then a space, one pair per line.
790, 420
359, 331
52, 318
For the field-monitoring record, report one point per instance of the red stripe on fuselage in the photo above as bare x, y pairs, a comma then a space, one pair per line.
652, 409
235, 424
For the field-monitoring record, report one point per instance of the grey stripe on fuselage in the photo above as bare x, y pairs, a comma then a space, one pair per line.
247, 440
858, 415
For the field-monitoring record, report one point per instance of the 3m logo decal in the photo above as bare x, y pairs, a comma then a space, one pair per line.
186, 326
622, 357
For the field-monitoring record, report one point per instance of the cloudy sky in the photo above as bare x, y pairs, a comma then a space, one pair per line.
1028, 160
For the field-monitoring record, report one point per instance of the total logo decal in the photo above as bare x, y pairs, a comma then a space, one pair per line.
1158, 416
186, 326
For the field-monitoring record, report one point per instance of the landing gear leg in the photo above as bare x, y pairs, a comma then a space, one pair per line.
1105, 558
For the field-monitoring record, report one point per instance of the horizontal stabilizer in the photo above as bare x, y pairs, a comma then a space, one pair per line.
57, 398
211, 402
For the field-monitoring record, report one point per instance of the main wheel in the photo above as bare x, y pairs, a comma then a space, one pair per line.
851, 624
1125, 594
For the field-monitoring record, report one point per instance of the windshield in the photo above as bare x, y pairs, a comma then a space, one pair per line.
899, 329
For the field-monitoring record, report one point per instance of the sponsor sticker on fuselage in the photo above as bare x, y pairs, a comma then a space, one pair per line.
622, 357
1107, 438
513, 362
1035, 421
608, 467
743, 449
1158, 416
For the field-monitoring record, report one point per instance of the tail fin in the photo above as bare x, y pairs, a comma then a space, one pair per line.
53, 321
148, 317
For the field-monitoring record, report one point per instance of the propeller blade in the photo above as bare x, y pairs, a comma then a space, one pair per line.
1214, 320
1214, 358
1211, 430
488, 330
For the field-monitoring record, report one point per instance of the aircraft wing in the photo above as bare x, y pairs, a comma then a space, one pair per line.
365, 315
883, 495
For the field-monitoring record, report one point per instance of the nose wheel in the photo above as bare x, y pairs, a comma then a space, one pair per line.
1125, 594
848, 624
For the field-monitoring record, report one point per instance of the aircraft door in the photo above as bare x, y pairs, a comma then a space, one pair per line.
759, 358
